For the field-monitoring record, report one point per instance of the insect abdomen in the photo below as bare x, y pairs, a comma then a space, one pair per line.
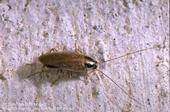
69, 61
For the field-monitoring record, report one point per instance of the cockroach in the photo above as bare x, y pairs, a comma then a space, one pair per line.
78, 63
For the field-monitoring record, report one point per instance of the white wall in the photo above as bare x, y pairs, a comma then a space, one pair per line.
102, 29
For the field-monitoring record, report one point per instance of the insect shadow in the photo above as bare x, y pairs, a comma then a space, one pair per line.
38, 75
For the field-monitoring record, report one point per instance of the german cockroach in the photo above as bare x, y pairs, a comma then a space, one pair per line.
78, 63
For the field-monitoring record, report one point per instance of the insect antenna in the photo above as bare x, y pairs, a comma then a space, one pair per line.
134, 52
120, 87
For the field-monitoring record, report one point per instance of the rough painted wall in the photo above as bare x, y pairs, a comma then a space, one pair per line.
102, 29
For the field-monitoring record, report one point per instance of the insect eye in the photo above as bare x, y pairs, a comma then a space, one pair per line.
94, 66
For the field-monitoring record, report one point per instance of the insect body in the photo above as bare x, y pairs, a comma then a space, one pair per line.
69, 61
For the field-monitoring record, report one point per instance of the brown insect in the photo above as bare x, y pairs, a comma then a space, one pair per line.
78, 63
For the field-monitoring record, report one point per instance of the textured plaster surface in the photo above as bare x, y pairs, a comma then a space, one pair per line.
102, 29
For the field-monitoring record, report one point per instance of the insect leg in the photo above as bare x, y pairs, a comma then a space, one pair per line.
77, 49
86, 77
57, 79
53, 50
37, 72
86, 80
54, 82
